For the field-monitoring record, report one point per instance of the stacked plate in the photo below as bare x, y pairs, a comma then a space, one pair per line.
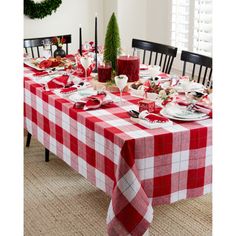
176, 112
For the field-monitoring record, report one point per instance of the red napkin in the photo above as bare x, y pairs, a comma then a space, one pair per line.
152, 117
92, 102
40, 73
56, 83
197, 107
68, 90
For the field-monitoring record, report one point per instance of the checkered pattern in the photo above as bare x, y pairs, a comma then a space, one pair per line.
136, 166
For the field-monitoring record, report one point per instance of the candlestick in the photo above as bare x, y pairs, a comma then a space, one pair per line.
96, 45
80, 40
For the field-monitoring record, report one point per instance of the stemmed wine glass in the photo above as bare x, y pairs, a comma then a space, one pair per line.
46, 48
121, 81
86, 61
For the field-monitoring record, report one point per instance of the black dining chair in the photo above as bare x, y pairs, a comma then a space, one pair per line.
200, 61
32, 45
165, 54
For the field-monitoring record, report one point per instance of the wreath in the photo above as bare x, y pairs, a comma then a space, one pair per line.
41, 9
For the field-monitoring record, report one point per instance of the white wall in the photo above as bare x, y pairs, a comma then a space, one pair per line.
158, 21
66, 20
132, 21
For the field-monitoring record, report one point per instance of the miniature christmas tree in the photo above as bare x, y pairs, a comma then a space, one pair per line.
112, 41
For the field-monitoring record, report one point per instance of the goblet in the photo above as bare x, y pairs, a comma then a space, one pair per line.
121, 82
86, 61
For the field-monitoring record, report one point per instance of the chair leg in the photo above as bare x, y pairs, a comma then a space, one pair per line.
28, 139
46, 155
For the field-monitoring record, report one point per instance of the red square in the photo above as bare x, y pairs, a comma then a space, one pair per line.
129, 217
162, 185
90, 156
163, 144
59, 134
196, 178
198, 138
146, 105
34, 115
90, 122
74, 145
46, 127
109, 168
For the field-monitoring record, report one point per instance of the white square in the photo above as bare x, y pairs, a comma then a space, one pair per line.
184, 165
174, 197
40, 135
209, 151
81, 132
175, 167
82, 165
117, 151
66, 155
99, 143
51, 113
27, 97
175, 128
145, 163
138, 134
110, 213
149, 214
130, 107
207, 189
207, 122
176, 157
66, 122
28, 125
141, 174
149, 173
99, 112
53, 145
131, 192
39, 105
100, 180
184, 155
118, 122
129, 185
182, 194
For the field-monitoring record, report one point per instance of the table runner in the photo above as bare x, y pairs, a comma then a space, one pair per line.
137, 167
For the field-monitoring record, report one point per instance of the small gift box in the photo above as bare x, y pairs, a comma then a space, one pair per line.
147, 105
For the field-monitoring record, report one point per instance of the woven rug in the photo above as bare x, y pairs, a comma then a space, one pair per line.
60, 202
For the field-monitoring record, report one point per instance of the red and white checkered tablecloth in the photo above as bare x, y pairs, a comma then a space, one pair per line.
137, 167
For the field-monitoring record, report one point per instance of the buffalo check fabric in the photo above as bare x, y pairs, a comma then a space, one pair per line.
137, 167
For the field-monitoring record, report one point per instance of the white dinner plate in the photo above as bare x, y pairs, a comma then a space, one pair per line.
177, 112
164, 113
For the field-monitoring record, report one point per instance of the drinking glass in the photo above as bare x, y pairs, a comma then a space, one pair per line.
121, 82
104, 71
46, 48
86, 61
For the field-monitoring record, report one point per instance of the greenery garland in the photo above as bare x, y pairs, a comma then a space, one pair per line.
40, 9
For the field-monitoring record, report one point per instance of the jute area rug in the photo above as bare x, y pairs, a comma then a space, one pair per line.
60, 202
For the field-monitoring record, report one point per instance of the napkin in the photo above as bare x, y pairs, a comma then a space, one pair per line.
200, 107
152, 117
93, 102
58, 82
40, 73
68, 90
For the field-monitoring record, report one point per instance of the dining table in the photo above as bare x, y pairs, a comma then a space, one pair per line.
137, 167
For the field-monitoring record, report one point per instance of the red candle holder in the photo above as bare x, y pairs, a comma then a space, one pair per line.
129, 66
104, 72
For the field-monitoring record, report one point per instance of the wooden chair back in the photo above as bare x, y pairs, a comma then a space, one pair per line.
33, 44
203, 76
165, 54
